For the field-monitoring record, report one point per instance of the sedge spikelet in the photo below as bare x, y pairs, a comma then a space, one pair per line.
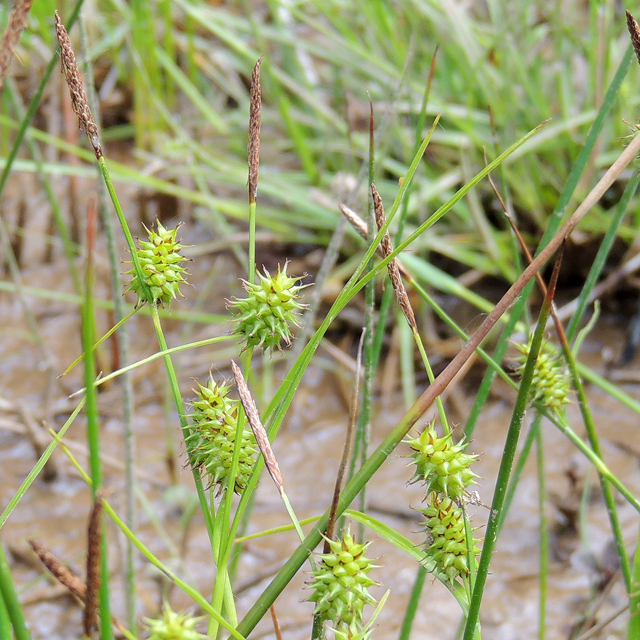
212, 441
160, 261
440, 464
264, 317
551, 384
447, 549
173, 626
341, 584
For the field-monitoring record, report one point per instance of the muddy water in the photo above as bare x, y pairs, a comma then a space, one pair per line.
308, 451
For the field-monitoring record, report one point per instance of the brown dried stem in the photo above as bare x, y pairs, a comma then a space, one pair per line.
76, 88
17, 22
259, 432
353, 414
255, 112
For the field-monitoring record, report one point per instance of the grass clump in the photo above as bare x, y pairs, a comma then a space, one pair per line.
539, 173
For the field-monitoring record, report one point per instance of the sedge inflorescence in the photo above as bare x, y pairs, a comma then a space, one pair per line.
441, 465
551, 384
447, 548
341, 585
265, 316
444, 469
160, 261
173, 626
212, 440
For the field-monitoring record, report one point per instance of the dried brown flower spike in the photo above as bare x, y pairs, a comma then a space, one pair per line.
634, 32
76, 88
392, 267
254, 131
17, 22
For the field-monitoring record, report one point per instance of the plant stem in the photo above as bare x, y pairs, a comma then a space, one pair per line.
10, 601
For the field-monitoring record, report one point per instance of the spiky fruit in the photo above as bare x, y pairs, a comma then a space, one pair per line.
264, 317
551, 384
447, 549
160, 262
440, 464
212, 440
173, 626
341, 583
355, 631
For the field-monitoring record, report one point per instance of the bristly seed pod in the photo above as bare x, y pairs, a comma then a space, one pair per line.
160, 262
212, 440
264, 316
440, 464
550, 385
447, 548
341, 584
173, 626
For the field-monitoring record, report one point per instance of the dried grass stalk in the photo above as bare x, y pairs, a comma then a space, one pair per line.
17, 22
76, 88
259, 432
255, 115
394, 272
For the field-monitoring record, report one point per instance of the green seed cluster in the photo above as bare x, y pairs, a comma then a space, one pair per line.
173, 626
341, 584
212, 441
440, 464
160, 262
447, 551
264, 317
551, 384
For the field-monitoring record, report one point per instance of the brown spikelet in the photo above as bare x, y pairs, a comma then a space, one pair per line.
634, 32
17, 22
255, 114
76, 88
356, 222
253, 417
394, 272
59, 570
94, 531
361, 228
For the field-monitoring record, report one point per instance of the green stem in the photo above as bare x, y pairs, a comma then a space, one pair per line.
504, 473
93, 433
412, 606
10, 601
177, 398
544, 533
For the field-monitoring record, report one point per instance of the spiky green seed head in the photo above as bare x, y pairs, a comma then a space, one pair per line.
341, 584
160, 261
446, 549
173, 626
354, 631
550, 384
440, 464
265, 316
211, 442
